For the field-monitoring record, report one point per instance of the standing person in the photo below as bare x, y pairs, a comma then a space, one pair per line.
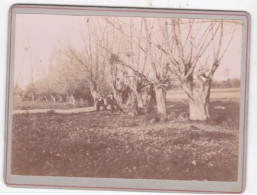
113, 103
151, 92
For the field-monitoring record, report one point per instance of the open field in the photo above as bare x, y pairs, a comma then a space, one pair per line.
29, 105
230, 93
172, 95
121, 146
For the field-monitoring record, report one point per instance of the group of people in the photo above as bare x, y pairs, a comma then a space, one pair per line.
103, 103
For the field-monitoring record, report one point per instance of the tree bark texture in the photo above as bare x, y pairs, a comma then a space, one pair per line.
198, 98
160, 95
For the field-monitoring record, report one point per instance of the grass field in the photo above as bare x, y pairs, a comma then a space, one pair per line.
29, 105
229, 93
121, 146
172, 95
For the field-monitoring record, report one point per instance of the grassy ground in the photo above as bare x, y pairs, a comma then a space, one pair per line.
28, 105
121, 146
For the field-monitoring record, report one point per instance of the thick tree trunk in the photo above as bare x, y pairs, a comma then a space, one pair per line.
132, 105
72, 100
93, 93
199, 105
140, 102
118, 98
160, 95
198, 98
198, 110
81, 101
115, 90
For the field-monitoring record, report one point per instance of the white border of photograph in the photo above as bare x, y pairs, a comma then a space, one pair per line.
130, 184
236, 5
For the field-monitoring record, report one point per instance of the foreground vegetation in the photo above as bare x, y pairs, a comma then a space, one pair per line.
121, 146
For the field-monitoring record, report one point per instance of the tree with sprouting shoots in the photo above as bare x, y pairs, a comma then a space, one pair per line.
161, 77
111, 43
129, 60
145, 64
194, 50
91, 59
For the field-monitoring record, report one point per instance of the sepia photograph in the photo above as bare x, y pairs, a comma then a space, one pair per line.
129, 97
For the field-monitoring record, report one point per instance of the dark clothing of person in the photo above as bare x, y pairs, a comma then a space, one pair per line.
100, 103
113, 104
151, 92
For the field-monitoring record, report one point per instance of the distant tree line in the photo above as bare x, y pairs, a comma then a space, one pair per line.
216, 84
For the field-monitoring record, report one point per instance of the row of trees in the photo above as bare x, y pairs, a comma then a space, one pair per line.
143, 54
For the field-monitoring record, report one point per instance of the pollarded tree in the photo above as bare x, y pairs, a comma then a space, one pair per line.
194, 49
161, 76
144, 63
91, 59
127, 61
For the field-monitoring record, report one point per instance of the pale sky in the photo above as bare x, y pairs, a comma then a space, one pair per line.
37, 35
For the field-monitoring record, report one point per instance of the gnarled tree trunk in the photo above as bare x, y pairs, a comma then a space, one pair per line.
93, 93
199, 107
198, 98
140, 102
160, 95
72, 100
